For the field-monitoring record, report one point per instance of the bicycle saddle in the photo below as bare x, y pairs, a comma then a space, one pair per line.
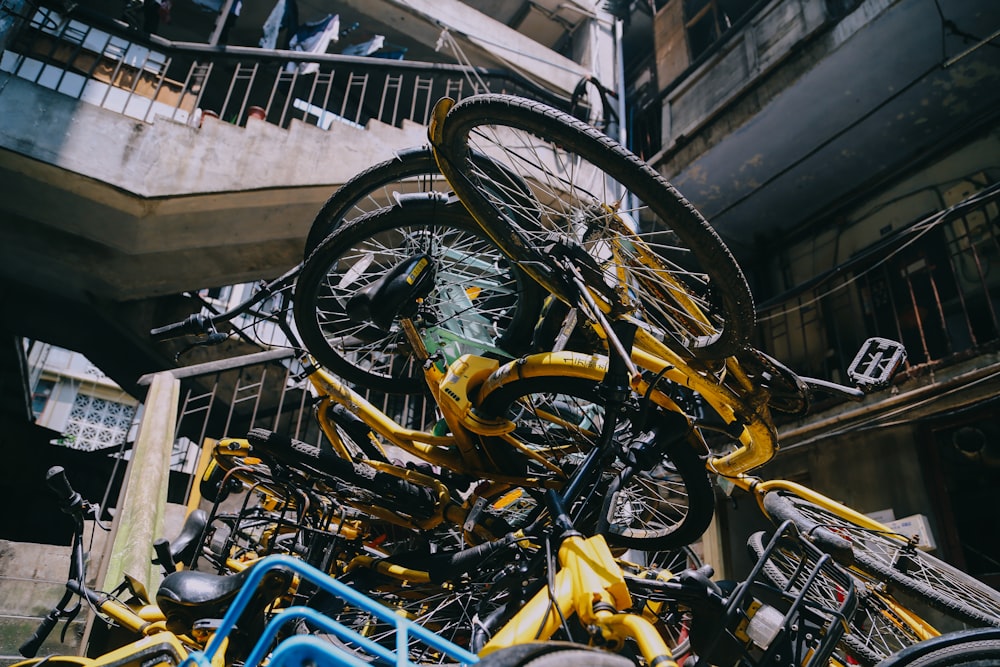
397, 293
183, 546
188, 596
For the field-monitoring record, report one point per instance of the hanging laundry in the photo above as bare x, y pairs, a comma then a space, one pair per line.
284, 16
365, 48
314, 37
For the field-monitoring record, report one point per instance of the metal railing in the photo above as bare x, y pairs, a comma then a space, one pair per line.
227, 398
934, 285
101, 61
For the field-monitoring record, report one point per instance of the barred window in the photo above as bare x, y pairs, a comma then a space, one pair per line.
95, 423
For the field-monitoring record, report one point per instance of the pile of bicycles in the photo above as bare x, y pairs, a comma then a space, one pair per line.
583, 335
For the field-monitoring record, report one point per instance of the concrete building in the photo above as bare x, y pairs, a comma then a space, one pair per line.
845, 150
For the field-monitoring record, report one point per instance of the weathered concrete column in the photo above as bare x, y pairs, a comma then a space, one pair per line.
141, 507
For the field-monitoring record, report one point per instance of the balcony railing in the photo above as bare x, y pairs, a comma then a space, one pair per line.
934, 285
100, 61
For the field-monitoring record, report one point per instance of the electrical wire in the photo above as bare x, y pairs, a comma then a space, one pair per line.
915, 232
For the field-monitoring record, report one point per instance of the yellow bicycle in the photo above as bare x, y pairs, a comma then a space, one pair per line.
615, 242
525, 424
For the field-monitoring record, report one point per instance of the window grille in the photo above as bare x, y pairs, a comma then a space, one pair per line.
95, 423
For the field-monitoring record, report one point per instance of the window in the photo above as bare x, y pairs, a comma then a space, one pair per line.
40, 396
707, 20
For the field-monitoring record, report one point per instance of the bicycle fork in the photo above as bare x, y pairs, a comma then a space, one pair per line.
590, 584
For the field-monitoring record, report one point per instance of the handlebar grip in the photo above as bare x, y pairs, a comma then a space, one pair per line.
191, 325
57, 481
29, 648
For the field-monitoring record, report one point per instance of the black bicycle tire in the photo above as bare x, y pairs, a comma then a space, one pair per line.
964, 648
358, 484
978, 597
553, 654
583, 657
690, 468
344, 204
430, 213
853, 642
732, 295
686, 463
412, 170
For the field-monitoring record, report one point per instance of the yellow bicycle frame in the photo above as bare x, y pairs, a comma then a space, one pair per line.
590, 584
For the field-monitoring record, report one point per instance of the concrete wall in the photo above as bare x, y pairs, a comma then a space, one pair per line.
167, 158
32, 579
127, 202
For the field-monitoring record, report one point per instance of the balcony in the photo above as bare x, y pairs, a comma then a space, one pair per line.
932, 285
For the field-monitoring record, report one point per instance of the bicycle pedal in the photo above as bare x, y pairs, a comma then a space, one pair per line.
876, 362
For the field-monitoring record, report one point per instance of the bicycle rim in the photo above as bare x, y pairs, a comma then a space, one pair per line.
561, 418
479, 304
652, 255
650, 509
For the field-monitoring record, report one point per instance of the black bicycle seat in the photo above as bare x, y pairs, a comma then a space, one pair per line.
188, 596
183, 546
397, 293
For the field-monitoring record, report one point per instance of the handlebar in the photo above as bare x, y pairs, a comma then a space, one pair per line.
69, 500
197, 325
29, 648
73, 504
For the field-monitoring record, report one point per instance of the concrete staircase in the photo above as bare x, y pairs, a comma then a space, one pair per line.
99, 204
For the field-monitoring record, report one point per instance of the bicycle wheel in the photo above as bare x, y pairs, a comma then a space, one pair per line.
553, 654
674, 621
890, 559
561, 418
479, 304
644, 249
651, 505
966, 648
410, 171
876, 630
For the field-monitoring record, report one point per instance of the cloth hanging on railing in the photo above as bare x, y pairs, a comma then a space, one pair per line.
284, 16
365, 48
314, 37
